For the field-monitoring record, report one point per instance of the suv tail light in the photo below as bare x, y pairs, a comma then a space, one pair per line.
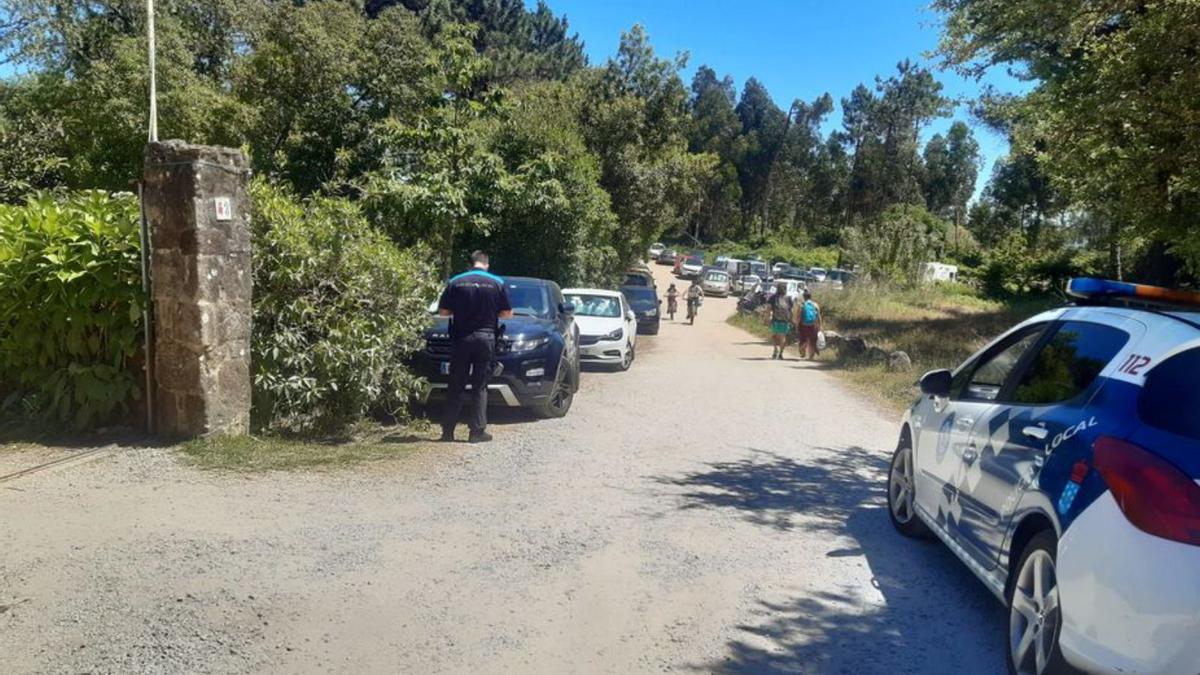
1154, 494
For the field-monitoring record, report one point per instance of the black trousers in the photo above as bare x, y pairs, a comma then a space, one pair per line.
470, 360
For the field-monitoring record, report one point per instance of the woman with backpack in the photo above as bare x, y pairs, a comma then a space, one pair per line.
808, 325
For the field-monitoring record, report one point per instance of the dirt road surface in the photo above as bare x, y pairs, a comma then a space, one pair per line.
711, 510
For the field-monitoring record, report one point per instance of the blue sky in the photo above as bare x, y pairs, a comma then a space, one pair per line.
797, 48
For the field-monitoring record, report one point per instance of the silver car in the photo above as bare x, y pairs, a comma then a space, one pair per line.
715, 282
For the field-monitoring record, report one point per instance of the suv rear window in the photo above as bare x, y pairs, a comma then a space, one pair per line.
1170, 397
1069, 362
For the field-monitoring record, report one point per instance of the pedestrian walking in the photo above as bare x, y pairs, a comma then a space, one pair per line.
808, 325
781, 319
475, 301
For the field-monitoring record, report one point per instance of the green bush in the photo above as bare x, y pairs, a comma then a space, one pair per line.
338, 309
70, 307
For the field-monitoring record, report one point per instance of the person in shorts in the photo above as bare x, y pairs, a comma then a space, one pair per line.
781, 308
808, 325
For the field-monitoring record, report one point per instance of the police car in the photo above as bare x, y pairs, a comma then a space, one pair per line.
1061, 464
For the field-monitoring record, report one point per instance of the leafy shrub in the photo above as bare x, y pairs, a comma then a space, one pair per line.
893, 246
70, 306
338, 309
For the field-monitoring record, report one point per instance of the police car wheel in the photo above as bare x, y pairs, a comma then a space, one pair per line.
901, 492
1035, 616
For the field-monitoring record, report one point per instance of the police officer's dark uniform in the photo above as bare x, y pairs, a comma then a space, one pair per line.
475, 299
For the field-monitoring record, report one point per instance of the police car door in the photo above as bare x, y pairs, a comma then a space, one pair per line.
946, 451
1042, 409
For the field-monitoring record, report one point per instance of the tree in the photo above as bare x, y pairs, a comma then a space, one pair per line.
1110, 115
884, 131
635, 120
951, 168
436, 170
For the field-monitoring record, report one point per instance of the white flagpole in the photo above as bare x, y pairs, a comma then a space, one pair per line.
153, 86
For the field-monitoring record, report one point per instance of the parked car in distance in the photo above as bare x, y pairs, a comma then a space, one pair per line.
791, 272
745, 283
817, 274
839, 279
715, 282
691, 266
639, 276
537, 351
1061, 464
647, 307
759, 269
607, 326
656, 249
794, 287
667, 257
779, 266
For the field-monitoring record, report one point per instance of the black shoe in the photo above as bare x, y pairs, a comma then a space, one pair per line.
447, 435
479, 437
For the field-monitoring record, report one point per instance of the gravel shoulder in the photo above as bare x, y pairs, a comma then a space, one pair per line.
710, 510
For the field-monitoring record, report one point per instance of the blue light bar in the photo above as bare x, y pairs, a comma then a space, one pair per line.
1088, 288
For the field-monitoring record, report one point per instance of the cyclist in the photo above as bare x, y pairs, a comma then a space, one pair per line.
672, 300
695, 294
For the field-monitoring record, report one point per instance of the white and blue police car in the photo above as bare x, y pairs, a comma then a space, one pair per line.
1061, 464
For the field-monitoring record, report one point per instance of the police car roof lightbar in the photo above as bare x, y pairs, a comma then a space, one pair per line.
1089, 289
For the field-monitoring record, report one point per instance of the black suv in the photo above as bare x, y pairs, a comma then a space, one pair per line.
644, 302
537, 351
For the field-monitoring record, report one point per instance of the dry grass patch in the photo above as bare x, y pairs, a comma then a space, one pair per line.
938, 327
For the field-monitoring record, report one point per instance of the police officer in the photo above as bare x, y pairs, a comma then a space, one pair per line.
475, 301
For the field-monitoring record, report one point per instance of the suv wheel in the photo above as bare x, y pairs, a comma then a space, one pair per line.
1034, 614
901, 492
561, 396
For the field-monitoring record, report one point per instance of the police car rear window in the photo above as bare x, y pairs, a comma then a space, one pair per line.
1170, 397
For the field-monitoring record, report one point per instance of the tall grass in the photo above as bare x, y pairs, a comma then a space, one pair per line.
937, 326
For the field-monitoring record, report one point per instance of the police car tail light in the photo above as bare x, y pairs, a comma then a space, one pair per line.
1154, 494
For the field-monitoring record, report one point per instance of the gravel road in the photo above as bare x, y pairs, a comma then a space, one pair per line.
711, 510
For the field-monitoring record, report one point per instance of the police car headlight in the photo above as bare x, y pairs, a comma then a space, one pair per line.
615, 335
529, 344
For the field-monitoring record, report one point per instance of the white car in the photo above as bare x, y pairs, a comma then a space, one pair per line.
607, 326
691, 267
656, 249
819, 274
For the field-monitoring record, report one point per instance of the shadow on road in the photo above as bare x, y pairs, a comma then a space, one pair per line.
935, 617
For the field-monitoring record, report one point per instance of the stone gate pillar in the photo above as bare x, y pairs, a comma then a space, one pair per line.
198, 210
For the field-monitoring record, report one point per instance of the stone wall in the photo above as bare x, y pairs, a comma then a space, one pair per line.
198, 210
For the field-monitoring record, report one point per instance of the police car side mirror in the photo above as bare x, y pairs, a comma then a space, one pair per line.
936, 383
566, 308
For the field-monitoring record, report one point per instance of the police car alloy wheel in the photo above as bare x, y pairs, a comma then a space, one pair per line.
1034, 614
901, 491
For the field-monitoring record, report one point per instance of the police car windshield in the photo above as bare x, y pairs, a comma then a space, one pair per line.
596, 305
528, 299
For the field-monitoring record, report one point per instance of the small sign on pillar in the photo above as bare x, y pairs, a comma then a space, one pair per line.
223, 208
